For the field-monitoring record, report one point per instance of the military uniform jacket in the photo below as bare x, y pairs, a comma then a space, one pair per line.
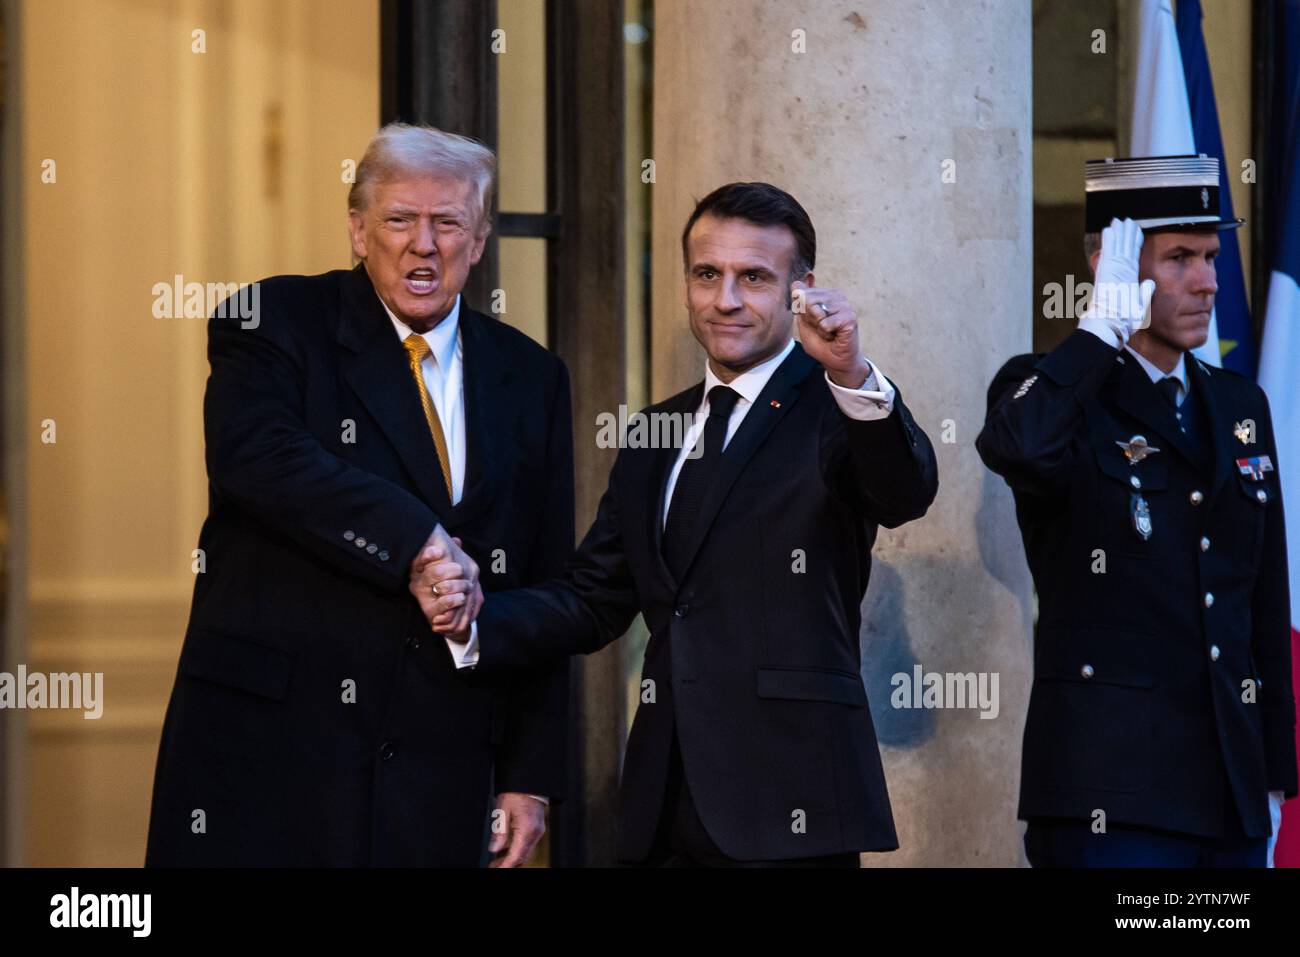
1162, 691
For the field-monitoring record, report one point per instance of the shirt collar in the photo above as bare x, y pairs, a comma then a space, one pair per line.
1155, 374
750, 382
441, 338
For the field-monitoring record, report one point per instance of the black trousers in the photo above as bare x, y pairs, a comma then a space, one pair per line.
681, 839
1057, 843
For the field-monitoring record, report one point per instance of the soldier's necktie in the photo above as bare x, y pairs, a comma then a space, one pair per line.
693, 481
1169, 387
416, 350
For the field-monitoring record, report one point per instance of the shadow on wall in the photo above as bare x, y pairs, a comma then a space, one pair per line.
887, 650
997, 535
888, 647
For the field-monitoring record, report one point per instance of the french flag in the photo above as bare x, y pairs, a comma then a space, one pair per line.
1175, 114
1279, 359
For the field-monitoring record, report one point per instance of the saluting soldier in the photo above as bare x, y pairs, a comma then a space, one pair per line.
1161, 724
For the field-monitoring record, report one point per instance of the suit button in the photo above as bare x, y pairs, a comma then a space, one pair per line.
1209, 599
1134, 481
383, 556
1087, 671
1214, 652
1196, 497
360, 543
681, 610
1262, 496
1205, 544
372, 548
413, 642
387, 750
349, 535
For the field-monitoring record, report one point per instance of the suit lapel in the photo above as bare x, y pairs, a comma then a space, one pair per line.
374, 364
661, 466
1216, 425
485, 374
771, 406
1138, 396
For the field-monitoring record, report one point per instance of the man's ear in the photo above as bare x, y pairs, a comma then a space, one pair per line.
1092, 261
357, 233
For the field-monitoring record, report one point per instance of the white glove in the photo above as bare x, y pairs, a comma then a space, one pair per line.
1275, 814
1120, 305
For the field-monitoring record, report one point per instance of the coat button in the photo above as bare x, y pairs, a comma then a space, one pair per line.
1209, 599
1087, 671
1196, 497
1214, 652
387, 750
372, 548
1205, 544
383, 556
1261, 495
349, 535
360, 543
1134, 481
681, 610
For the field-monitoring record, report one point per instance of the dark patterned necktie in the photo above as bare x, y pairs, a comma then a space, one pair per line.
693, 482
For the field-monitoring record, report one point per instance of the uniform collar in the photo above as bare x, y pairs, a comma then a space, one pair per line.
1155, 374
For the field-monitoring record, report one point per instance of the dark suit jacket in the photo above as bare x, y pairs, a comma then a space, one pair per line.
1138, 705
308, 545
754, 664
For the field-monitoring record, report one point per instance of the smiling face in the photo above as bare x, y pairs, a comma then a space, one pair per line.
418, 238
1183, 266
738, 291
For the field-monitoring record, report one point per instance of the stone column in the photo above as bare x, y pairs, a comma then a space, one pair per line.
904, 129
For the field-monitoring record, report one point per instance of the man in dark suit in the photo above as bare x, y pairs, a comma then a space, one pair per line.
753, 743
1161, 722
363, 415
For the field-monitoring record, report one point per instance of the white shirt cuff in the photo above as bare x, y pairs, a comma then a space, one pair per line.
875, 400
465, 655
1102, 329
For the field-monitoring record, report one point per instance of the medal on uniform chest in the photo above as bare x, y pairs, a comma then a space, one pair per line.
1141, 513
1135, 450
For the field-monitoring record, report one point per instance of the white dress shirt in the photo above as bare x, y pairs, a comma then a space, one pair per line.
444, 378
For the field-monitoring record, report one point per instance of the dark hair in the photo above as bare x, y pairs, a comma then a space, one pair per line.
764, 205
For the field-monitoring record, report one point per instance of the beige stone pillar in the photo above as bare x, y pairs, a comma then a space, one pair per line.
861, 127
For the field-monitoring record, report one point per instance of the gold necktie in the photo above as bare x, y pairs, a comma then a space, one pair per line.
416, 350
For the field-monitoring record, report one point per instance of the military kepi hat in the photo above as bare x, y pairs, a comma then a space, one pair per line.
1158, 192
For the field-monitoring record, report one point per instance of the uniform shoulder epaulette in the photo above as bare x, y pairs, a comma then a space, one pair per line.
1219, 370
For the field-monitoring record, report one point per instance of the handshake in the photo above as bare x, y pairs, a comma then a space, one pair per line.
444, 580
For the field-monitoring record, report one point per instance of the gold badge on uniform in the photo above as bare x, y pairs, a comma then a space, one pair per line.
1141, 513
1136, 449
1242, 431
